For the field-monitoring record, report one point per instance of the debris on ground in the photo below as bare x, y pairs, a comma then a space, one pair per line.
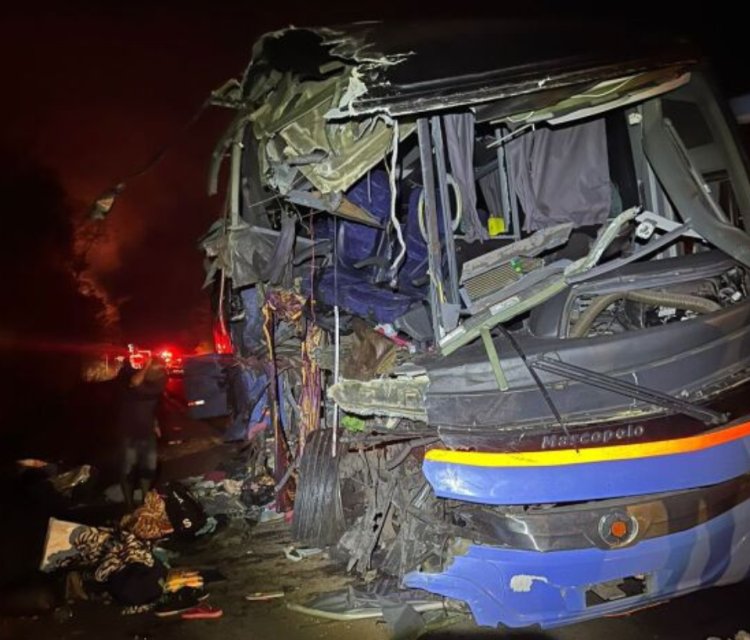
363, 603
401, 609
295, 554
261, 596
65, 482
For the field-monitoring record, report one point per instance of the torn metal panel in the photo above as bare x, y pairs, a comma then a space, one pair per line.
402, 398
567, 104
335, 204
296, 108
577, 525
482, 575
647, 85
251, 254
471, 63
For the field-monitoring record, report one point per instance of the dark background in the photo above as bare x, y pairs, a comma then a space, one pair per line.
90, 93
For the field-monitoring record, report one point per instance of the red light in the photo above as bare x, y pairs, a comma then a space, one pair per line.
222, 339
138, 357
171, 357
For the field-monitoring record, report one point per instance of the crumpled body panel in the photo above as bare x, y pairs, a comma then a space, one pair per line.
523, 588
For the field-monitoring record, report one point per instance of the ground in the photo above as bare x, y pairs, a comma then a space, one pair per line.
252, 560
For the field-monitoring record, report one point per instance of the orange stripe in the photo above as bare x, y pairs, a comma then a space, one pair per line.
596, 454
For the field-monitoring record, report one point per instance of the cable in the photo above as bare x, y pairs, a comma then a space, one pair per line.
105, 201
156, 158
394, 218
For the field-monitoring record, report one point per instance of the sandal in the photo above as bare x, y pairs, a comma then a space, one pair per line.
202, 612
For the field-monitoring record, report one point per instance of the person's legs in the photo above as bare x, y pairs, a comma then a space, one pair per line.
147, 461
129, 460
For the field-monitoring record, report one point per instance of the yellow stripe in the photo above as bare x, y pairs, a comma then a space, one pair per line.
596, 454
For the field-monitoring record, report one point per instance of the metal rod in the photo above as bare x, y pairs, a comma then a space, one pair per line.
621, 387
235, 192
336, 361
433, 237
505, 194
497, 369
442, 175
507, 191
337, 331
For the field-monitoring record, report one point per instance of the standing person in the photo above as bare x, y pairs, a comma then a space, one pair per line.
140, 393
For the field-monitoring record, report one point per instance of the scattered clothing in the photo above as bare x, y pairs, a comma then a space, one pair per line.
136, 584
209, 527
150, 521
117, 560
185, 512
180, 578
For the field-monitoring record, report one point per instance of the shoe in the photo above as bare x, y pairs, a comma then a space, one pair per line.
173, 603
202, 612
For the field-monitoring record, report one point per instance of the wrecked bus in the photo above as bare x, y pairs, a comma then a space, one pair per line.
487, 293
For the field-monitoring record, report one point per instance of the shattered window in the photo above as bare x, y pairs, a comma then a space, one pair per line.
689, 122
692, 122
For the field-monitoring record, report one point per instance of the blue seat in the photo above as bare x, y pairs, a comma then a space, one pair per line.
362, 256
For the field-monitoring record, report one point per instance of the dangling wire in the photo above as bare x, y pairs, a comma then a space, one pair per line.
498, 141
104, 203
394, 218
160, 153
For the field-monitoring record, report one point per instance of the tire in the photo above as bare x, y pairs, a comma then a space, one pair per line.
318, 515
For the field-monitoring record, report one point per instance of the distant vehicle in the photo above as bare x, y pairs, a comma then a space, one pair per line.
498, 278
172, 359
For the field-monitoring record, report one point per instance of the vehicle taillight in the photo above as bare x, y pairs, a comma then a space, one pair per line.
222, 339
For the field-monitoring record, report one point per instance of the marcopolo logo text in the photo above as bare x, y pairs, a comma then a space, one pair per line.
600, 436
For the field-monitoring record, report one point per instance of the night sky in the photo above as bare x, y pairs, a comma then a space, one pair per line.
91, 93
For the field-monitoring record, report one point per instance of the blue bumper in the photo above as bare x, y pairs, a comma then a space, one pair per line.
523, 588
519, 588
563, 482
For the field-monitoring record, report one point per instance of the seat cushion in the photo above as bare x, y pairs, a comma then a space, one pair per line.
360, 297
